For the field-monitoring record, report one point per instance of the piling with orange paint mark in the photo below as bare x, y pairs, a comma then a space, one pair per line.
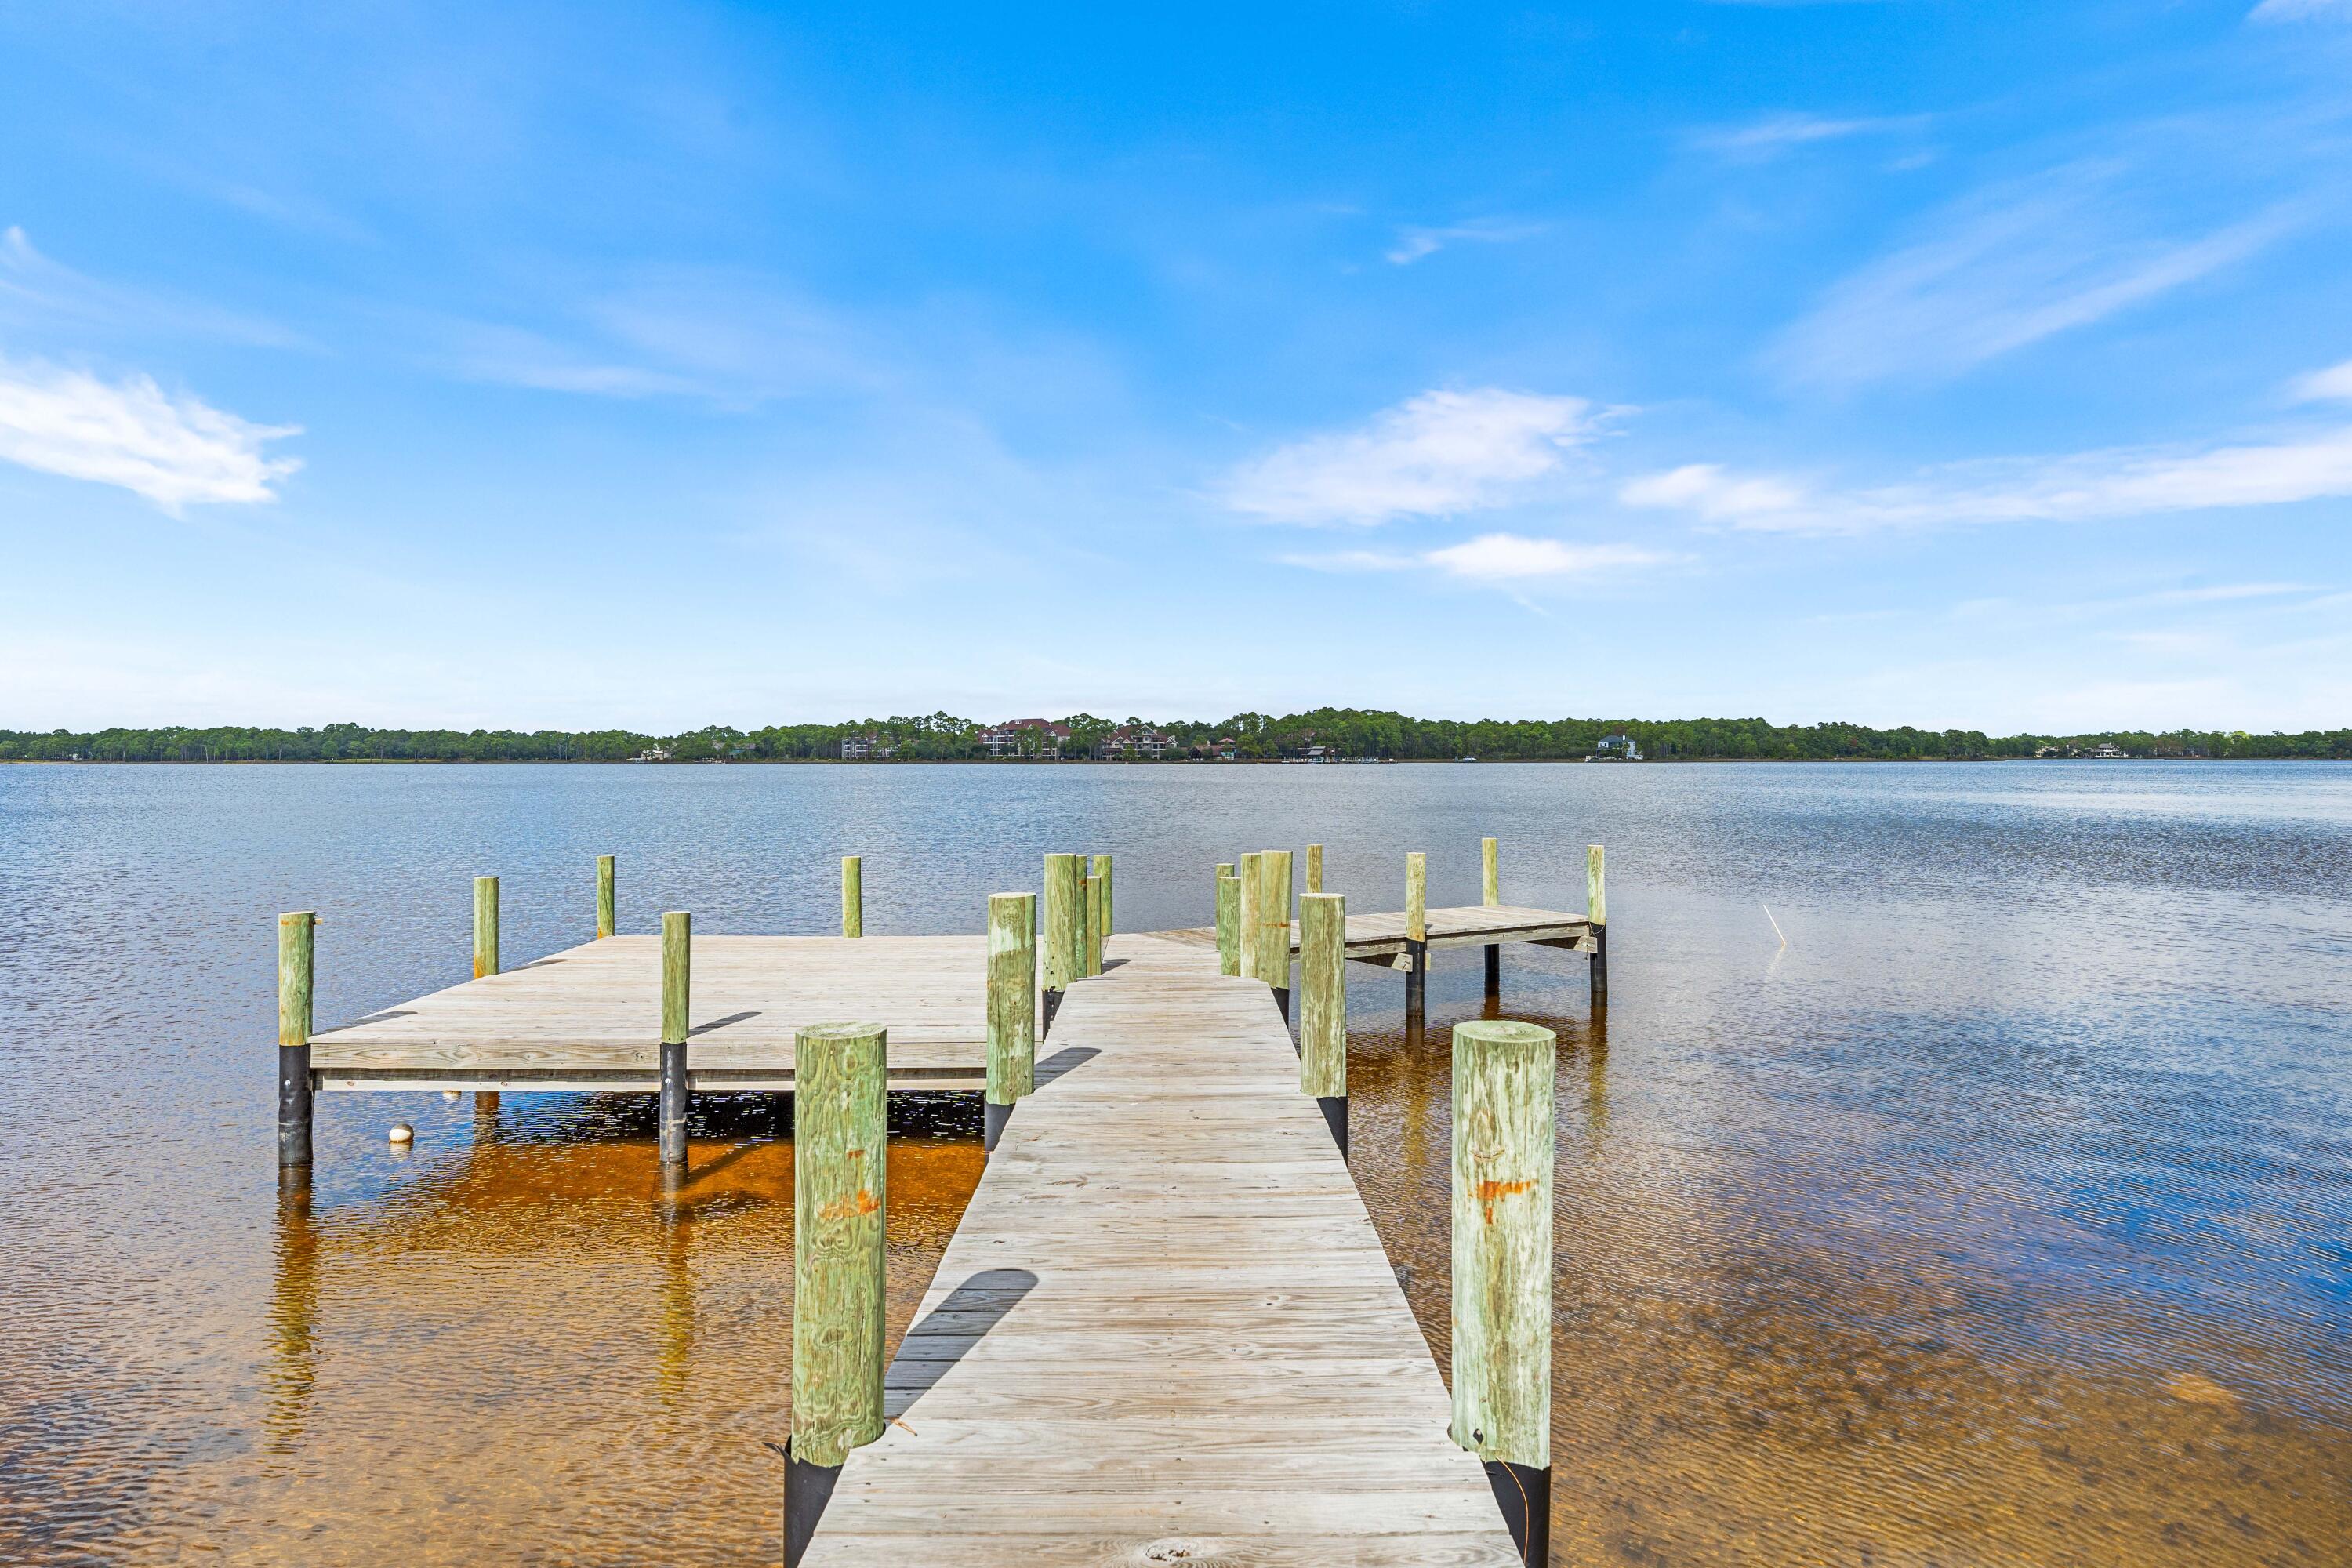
1503, 1150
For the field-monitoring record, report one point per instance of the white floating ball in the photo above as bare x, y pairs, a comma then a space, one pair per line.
402, 1132
450, 1095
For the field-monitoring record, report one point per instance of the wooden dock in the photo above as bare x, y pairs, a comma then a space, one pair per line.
1165, 1330
587, 1017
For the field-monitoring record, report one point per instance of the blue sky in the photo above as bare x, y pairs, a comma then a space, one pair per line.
1948, 364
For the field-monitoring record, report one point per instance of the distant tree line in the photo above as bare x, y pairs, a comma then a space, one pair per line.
1341, 733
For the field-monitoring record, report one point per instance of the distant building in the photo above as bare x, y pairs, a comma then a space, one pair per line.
1124, 741
2107, 752
1616, 749
1224, 749
652, 755
866, 748
1044, 740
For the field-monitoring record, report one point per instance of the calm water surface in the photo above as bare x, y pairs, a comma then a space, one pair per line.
1999, 1218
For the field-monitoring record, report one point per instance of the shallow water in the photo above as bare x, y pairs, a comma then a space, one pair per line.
1998, 1217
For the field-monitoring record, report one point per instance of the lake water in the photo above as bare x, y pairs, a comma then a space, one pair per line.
2000, 1216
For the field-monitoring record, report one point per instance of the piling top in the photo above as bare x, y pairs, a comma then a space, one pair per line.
846, 1031
1505, 1033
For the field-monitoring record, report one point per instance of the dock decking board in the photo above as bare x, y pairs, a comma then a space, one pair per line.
1165, 1329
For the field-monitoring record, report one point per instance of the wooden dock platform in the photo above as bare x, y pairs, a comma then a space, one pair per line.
588, 1017
1165, 1330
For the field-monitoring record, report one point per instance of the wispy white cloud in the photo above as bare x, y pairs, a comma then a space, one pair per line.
2125, 482
2001, 271
2332, 384
40, 295
1775, 135
1436, 454
1413, 244
1493, 558
2297, 10
174, 450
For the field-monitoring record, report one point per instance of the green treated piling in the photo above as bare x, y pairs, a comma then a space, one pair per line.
1229, 921
1490, 873
853, 895
1090, 905
1271, 931
677, 984
1101, 870
1315, 868
297, 939
839, 1196
1012, 995
608, 921
1596, 891
486, 926
1323, 1013
1417, 897
1065, 921
1252, 887
1503, 1146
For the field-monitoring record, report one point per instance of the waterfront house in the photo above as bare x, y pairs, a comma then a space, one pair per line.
1026, 738
866, 748
1616, 749
1124, 741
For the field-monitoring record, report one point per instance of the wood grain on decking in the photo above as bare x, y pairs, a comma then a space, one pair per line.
1165, 1330
590, 1017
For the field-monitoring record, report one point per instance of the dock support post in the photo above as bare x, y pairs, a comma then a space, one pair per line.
297, 940
1273, 929
1252, 888
607, 923
1011, 1007
853, 895
486, 962
1064, 957
1314, 868
1503, 1148
1104, 927
840, 1196
1416, 938
1596, 910
1090, 902
1490, 888
1229, 920
677, 952
1323, 1011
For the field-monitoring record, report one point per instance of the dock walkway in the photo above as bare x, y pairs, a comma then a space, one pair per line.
1165, 1330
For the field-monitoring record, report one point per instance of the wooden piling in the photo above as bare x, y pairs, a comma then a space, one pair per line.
297, 940
1490, 890
1092, 905
1416, 936
1252, 888
1502, 1151
1012, 1006
840, 1202
1323, 1011
1315, 868
1596, 911
853, 895
1065, 954
1229, 921
486, 926
677, 975
1270, 933
1102, 869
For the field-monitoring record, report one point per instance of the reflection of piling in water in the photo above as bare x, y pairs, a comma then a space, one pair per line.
676, 1358
1011, 1007
840, 1196
1504, 1144
293, 1369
